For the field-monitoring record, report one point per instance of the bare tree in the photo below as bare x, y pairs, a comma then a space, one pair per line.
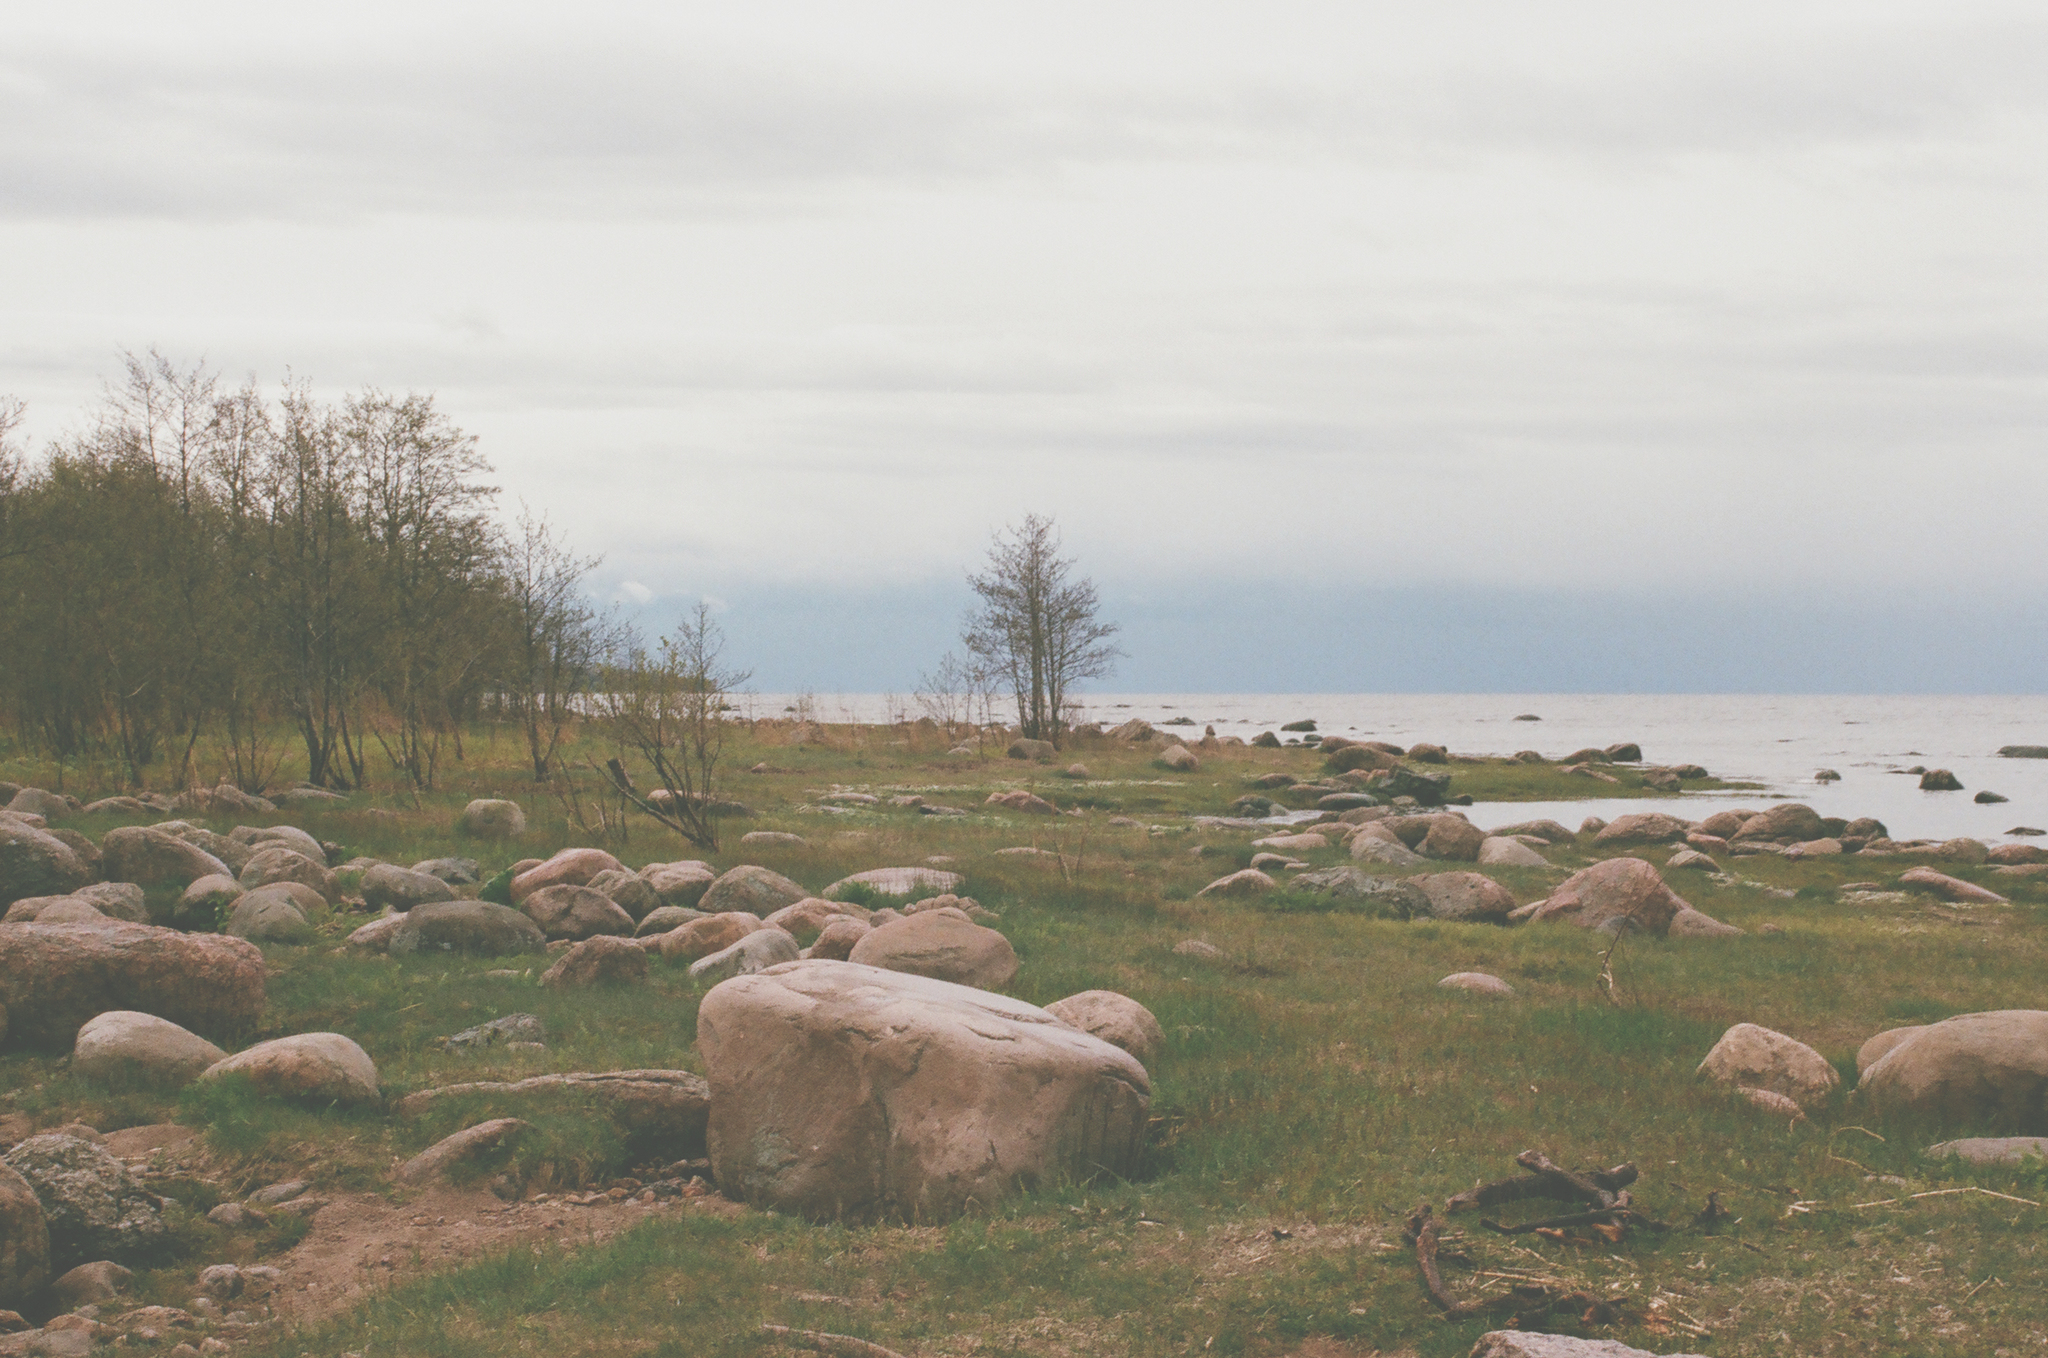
1036, 627
557, 641
667, 707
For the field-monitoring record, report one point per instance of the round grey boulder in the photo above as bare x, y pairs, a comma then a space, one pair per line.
126, 1047
756, 890
491, 818
476, 927
1117, 1019
274, 914
390, 886
316, 1067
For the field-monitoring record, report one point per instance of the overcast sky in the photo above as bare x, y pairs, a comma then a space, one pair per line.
1522, 305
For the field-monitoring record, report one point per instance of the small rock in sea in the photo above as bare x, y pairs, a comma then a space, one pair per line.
1940, 780
2026, 830
1303, 725
1988, 798
1528, 716
1827, 776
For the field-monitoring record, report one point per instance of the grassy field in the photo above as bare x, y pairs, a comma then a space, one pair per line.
1315, 1087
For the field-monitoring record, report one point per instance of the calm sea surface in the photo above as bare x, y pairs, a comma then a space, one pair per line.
1778, 741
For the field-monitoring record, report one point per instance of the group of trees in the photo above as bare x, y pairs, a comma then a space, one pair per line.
204, 567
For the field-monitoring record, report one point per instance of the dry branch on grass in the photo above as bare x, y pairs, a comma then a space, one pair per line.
834, 1345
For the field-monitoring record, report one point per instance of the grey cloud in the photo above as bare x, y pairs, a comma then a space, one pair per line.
620, 132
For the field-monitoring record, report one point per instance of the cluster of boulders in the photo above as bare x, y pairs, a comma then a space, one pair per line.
1983, 1072
1620, 892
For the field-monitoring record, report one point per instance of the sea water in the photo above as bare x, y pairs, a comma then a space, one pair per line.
1780, 742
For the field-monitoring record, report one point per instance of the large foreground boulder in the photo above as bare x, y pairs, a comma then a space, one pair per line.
477, 927
943, 944
846, 1091
54, 977
755, 890
1981, 1072
36, 863
125, 1047
94, 1208
1749, 1056
316, 1067
1625, 893
658, 1113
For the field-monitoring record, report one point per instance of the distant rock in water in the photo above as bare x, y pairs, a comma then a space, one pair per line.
2024, 751
1827, 776
1303, 725
1940, 780
2026, 830
1528, 716
1988, 798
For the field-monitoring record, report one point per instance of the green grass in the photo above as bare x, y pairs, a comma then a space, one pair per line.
1315, 1080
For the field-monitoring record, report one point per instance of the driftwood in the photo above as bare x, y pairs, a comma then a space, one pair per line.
1526, 1301
1525, 1186
834, 1345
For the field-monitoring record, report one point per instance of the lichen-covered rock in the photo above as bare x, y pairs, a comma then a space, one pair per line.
55, 977
315, 1067
1757, 1057
476, 927
94, 1208
755, 890
846, 1091
124, 1047
758, 951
